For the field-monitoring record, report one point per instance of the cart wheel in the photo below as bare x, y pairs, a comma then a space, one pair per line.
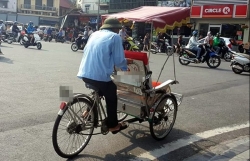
163, 118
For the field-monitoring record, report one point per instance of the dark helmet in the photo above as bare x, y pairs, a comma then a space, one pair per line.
30, 23
15, 23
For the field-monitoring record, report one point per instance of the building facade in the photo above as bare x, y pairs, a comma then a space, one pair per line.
229, 17
40, 12
91, 6
8, 6
122, 5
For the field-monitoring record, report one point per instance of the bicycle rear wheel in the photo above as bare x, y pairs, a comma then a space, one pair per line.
71, 132
163, 118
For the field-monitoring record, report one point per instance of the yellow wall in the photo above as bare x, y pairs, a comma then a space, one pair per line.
33, 2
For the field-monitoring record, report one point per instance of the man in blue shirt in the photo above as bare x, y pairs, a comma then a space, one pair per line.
103, 51
30, 30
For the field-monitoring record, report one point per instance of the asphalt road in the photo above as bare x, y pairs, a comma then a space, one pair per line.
29, 102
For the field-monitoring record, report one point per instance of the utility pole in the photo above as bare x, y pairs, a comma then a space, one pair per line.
98, 15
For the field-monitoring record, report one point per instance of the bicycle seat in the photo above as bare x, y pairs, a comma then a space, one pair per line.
90, 86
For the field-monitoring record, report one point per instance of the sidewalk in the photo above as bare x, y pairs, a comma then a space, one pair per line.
233, 150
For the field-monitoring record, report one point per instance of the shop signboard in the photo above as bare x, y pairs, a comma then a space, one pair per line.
218, 11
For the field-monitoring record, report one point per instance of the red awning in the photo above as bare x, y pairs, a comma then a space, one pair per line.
162, 17
65, 4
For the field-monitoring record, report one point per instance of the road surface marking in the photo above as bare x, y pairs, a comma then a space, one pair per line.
169, 147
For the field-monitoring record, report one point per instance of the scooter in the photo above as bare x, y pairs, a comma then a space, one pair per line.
47, 38
240, 63
18, 38
225, 52
131, 46
59, 39
139, 43
36, 41
207, 55
76, 45
166, 48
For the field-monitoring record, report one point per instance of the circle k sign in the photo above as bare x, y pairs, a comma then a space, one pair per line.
226, 10
217, 11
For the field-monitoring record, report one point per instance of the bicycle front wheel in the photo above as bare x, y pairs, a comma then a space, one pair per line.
71, 132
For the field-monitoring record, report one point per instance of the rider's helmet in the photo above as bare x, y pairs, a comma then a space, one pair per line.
218, 34
15, 23
30, 23
1, 21
195, 33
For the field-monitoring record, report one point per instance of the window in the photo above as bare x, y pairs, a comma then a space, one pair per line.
27, 4
39, 5
50, 3
232, 31
203, 29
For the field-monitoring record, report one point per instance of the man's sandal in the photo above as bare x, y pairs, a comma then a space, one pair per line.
122, 127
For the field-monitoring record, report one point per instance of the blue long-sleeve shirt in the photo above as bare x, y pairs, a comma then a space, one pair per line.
49, 31
103, 51
30, 29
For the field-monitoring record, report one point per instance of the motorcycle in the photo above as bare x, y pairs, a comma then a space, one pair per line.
166, 48
36, 41
59, 39
225, 52
240, 63
139, 43
47, 38
131, 46
207, 55
76, 45
18, 38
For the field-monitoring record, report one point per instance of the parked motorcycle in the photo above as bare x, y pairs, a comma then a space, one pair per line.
36, 41
77, 45
207, 55
132, 45
240, 63
18, 38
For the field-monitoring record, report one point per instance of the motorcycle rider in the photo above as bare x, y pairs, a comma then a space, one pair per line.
15, 29
193, 44
85, 37
216, 42
2, 28
160, 41
208, 39
49, 32
30, 30
124, 36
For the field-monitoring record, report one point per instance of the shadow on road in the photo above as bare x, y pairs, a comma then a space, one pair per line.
34, 48
5, 46
204, 67
139, 138
6, 60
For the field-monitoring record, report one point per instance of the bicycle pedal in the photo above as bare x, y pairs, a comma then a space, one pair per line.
104, 127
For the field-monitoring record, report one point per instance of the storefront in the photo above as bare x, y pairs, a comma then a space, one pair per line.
231, 20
